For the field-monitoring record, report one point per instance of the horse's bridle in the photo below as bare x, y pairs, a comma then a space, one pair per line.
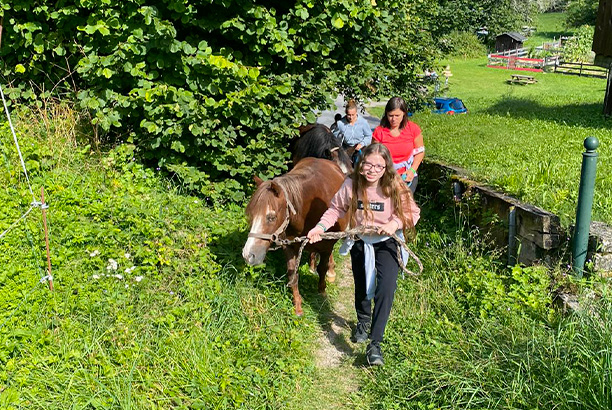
275, 237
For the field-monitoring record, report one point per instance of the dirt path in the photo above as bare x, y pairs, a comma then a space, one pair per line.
339, 362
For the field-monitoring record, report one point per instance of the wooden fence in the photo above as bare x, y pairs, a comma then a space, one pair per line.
520, 63
517, 52
581, 69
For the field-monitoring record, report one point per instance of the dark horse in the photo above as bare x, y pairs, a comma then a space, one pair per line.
289, 206
317, 140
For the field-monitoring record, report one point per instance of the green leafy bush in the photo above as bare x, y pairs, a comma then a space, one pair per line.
581, 12
462, 44
578, 47
212, 91
497, 16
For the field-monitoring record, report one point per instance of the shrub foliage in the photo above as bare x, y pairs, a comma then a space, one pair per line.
462, 44
212, 90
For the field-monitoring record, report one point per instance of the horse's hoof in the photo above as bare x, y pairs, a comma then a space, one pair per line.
331, 278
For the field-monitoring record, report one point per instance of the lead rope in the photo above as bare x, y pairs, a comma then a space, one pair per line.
352, 233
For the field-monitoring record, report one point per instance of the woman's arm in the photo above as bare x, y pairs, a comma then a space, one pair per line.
367, 132
419, 150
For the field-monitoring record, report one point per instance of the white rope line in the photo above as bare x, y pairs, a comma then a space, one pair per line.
8, 115
35, 204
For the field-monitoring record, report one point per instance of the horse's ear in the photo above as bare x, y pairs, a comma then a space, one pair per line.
276, 190
258, 181
334, 155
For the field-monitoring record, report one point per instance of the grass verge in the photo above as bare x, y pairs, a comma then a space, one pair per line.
152, 306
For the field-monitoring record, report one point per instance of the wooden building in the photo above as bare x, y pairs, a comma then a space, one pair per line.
509, 41
602, 46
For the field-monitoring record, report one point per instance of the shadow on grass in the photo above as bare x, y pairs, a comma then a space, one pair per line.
582, 115
330, 321
228, 251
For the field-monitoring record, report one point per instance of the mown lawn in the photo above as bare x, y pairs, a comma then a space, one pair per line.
526, 140
549, 27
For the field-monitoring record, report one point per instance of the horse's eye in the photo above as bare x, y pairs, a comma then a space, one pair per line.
271, 218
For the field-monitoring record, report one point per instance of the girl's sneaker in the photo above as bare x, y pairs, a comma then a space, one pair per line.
374, 354
361, 333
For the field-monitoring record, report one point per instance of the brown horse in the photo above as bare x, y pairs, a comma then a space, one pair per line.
289, 206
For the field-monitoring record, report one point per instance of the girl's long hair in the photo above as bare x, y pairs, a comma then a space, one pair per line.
392, 187
393, 104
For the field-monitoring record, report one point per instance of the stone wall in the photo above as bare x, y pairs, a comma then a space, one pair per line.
600, 247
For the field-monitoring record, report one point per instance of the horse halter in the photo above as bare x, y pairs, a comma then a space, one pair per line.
274, 237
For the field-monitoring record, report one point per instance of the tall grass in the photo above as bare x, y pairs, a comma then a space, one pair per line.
445, 350
178, 322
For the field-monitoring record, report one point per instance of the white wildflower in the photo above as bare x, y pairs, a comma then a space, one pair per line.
96, 276
112, 265
118, 276
130, 270
138, 278
94, 253
127, 255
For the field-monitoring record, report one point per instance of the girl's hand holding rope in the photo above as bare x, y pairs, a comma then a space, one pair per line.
318, 233
389, 228
314, 235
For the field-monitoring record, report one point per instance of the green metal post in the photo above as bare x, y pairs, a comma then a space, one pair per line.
585, 205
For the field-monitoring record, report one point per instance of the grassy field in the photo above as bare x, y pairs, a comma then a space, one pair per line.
526, 140
153, 307
549, 27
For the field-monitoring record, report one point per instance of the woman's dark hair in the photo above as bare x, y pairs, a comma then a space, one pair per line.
393, 104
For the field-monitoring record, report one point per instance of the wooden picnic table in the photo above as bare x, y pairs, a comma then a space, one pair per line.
522, 79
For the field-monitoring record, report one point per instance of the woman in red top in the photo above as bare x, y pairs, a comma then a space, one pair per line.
404, 140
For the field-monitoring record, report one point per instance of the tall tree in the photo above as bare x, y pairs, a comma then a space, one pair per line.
470, 15
581, 12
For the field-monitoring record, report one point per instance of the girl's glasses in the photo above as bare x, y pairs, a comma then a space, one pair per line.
377, 168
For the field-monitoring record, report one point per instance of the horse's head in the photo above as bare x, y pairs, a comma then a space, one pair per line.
268, 213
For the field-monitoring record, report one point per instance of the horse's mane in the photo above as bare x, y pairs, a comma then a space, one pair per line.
317, 140
293, 187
